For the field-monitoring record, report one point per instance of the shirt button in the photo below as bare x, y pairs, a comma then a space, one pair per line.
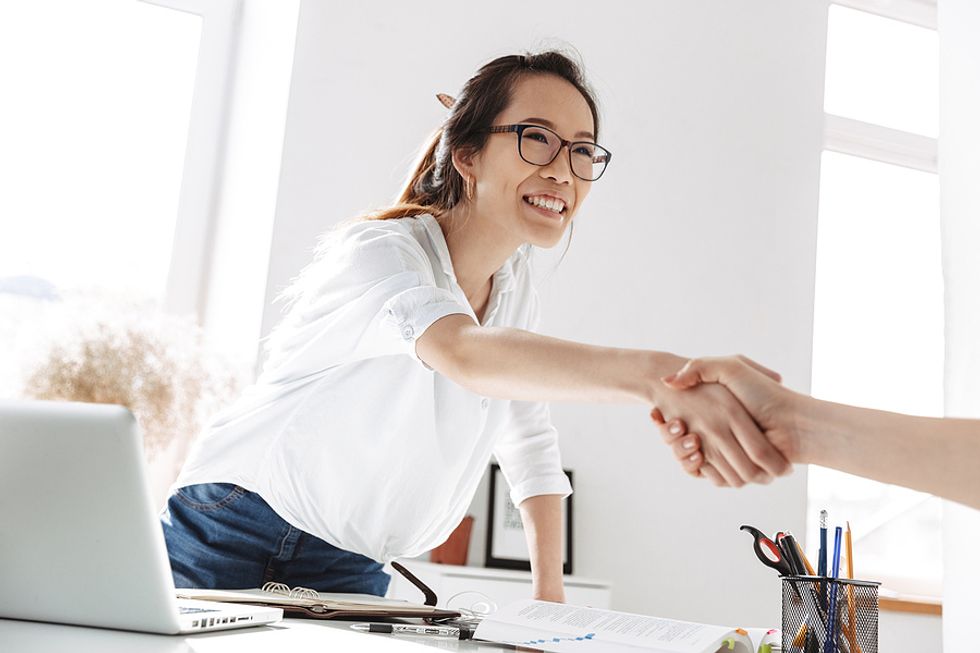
484, 403
408, 332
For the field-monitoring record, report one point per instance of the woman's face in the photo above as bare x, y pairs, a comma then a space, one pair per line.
507, 187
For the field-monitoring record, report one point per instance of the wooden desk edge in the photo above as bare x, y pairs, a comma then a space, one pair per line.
917, 605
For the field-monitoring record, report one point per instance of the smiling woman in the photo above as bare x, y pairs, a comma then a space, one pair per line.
407, 358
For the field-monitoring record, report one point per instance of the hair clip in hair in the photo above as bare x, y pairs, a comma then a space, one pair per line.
447, 100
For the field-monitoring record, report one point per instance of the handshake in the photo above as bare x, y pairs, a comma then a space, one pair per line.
729, 420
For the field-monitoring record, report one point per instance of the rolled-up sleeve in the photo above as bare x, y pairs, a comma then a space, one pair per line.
528, 453
409, 313
372, 294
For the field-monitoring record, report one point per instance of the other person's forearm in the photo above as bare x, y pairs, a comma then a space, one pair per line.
935, 455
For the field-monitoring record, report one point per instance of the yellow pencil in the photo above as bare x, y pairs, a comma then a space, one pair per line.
852, 627
800, 640
806, 562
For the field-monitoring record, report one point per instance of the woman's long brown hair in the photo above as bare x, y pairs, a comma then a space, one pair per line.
434, 185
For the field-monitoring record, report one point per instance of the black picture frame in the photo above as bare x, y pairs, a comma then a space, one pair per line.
506, 546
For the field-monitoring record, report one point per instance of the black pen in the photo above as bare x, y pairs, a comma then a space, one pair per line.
794, 554
411, 629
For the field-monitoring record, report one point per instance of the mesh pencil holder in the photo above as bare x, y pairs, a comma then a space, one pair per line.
807, 615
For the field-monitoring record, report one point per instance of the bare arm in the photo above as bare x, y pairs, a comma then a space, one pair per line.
542, 526
516, 364
935, 455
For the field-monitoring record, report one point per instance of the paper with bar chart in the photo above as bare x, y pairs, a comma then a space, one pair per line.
558, 627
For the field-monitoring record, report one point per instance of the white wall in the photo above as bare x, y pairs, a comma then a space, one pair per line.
959, 167
700, 239
904, 632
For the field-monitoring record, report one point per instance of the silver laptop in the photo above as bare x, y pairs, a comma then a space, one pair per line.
80, 541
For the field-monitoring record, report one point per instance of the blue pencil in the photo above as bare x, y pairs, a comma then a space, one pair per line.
830, 644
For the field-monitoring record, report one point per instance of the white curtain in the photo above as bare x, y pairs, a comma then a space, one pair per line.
959, 177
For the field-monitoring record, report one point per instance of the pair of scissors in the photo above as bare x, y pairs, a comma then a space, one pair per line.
778, 555
768, 552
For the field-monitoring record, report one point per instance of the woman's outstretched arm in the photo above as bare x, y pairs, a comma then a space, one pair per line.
515, 364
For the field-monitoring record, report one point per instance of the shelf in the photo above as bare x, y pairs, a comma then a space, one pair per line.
499, 585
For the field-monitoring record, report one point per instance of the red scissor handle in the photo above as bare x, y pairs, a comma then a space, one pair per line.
767, 551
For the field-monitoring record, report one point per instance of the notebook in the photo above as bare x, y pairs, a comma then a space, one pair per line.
559, 627
80, 541
304, 602
320, 605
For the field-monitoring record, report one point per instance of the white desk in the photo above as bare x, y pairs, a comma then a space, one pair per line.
300, 635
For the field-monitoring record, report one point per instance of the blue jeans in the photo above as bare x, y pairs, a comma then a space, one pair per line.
221, 536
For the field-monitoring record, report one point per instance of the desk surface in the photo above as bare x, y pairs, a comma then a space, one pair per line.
287, 635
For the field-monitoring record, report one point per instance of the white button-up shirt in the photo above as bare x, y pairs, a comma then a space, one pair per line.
346, 434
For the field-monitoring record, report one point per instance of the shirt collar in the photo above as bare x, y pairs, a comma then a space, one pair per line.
503, 279
438, 240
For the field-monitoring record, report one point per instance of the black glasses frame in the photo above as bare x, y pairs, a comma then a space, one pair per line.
519, 129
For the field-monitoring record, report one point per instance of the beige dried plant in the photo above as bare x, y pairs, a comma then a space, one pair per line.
156, 365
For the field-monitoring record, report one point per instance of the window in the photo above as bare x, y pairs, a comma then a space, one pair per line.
94, 146
110, 148
895, 83
878, 315
109, 106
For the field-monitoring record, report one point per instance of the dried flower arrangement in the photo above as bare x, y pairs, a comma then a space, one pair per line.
155, 364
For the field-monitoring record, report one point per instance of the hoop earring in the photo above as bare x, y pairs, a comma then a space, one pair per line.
469, 188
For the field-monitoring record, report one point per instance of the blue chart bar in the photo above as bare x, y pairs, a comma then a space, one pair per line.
557, 640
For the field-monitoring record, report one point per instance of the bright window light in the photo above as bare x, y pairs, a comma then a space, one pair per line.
882, 71
94, 129
878, 342
878, 326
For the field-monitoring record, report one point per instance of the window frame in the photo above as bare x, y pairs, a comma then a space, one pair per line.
881, 144
917, 12
876, 142
194, 231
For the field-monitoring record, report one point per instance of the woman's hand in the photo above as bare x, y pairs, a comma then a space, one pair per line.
755, 386
733, 451
772, 406
685, 446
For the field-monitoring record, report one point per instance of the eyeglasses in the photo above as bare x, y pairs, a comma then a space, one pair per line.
540, 146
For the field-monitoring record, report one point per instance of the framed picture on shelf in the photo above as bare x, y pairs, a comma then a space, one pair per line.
506, 542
